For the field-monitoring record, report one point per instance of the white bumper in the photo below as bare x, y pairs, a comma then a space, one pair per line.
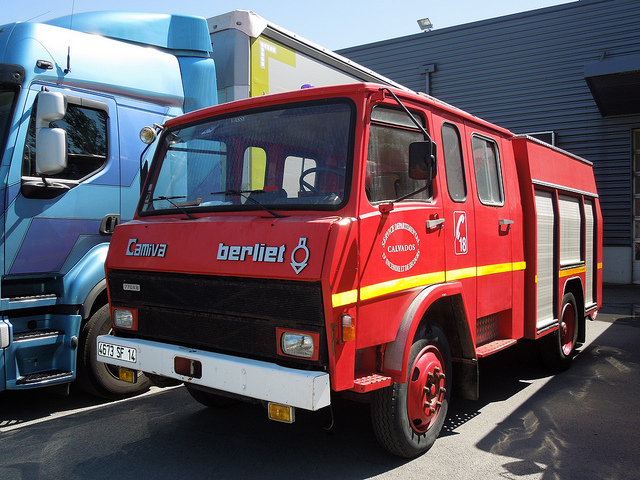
251, 378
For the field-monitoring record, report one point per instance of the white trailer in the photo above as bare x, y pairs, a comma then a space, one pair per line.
255, 57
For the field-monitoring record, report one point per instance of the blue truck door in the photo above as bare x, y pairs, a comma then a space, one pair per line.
50, 228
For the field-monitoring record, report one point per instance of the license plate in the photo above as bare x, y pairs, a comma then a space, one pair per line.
117, 352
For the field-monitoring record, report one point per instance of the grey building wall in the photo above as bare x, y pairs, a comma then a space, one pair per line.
526, 72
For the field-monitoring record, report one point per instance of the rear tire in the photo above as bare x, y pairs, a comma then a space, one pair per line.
407, 417
97, 378
558, 348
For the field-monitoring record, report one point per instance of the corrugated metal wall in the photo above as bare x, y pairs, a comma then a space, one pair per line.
525, 72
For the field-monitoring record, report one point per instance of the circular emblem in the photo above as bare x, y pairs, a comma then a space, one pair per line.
400, 247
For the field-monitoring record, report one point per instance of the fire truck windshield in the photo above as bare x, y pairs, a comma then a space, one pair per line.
288, 157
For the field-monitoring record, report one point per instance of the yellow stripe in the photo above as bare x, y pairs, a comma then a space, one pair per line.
498, 268
600, 266
518, 266
344, 298
572, 271
461, 273
400, 284
392, 286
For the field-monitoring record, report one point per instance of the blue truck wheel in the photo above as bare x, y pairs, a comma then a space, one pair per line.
97, 378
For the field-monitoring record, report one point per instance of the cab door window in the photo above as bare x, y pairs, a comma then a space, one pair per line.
454, 163
486, 162
86, 128
390, 135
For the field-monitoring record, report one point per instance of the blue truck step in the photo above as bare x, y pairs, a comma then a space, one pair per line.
43, 377
36, 334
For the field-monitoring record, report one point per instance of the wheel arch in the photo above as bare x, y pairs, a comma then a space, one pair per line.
96, 298
444, 305
576, 288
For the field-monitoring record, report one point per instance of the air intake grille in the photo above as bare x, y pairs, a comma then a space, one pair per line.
225, 314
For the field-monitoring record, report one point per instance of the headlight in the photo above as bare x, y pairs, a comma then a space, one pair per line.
124, 318
297, 344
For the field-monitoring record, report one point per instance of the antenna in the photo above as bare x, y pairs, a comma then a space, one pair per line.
68, 69
38, 16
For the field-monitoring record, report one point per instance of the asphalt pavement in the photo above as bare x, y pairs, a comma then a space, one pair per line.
529, 424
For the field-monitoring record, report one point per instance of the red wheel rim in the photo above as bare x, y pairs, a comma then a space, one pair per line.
567, 328
426, 389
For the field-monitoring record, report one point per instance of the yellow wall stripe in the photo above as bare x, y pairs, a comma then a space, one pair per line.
398, 285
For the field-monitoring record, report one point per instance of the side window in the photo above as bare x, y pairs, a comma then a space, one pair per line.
486, 162
454, 163
390, 135
86, 142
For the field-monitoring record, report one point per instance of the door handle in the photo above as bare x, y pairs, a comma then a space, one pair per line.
109, 223
504, 221
435, 222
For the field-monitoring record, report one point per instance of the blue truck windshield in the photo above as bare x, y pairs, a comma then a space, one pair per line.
293, 157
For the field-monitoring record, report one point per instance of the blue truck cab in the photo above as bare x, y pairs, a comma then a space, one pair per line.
74, 94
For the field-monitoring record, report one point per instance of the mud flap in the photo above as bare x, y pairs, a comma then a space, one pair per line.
466, 378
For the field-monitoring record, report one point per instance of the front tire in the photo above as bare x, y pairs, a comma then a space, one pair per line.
407, 418
97, 378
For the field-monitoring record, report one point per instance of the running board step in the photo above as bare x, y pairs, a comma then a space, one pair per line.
495, 346
44, 377
36, 334
368, 381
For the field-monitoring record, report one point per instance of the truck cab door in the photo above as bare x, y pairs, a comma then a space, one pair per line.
401, 244
457, 197
54, 216
495, 200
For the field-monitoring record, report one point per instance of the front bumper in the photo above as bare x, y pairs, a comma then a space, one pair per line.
251, 378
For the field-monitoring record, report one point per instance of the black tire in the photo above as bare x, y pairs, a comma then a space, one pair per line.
557, 349
97, 378
407, 418
211, 400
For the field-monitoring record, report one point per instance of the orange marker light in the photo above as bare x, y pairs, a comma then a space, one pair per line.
348, 328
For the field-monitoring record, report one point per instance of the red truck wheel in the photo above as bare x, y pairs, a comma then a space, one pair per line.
559, 347
97, 378
407, 418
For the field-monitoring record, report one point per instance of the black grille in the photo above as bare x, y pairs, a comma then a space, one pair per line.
225, 314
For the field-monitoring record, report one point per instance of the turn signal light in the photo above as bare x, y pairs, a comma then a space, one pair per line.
281, 413
126, 375
348, 328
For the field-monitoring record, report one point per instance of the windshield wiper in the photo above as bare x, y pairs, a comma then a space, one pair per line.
179, 207
249, 198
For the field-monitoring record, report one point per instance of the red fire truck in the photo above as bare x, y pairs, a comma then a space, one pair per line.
293, 247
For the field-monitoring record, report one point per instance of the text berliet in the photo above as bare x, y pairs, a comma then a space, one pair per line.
259, 252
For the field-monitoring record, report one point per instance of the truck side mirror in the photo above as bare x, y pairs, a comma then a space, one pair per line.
51, 143
422, 160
